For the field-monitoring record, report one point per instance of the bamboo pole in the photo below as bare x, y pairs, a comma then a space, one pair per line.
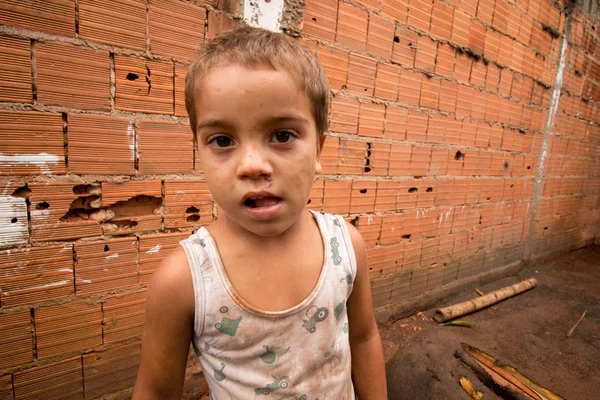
469, 306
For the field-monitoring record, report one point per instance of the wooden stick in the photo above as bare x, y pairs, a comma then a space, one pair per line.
469, 306
479, 292
577, 323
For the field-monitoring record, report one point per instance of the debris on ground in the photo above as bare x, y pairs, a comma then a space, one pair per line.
577, 323
472, 305
468, 387
457, 322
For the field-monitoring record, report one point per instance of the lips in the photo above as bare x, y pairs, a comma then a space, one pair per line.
262, 205
260, 200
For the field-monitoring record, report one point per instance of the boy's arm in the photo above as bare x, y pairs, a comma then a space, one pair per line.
168, 330
368, 366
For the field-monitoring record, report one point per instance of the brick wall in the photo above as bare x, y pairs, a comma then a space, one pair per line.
438, 153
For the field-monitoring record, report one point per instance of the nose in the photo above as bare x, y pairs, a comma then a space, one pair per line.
253, 164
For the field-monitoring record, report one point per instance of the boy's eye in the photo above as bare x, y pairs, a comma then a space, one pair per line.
221, 142
283, 137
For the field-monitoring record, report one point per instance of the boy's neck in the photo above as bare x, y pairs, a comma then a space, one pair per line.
225, 227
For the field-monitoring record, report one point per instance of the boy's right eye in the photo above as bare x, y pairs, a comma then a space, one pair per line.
220, 142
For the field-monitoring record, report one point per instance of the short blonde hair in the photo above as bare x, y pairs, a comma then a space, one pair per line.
256, 48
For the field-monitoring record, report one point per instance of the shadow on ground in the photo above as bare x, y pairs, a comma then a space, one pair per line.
528, 331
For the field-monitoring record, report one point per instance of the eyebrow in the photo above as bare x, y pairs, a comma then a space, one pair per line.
211, 123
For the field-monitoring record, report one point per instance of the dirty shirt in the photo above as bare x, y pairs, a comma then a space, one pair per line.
302, 353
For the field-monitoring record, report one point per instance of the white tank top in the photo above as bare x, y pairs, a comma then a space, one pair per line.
299, 353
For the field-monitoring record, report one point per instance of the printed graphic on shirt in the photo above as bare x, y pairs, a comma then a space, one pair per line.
346, 329
269, 356
228, 326
196, 349
339, 310
219, 375
335, 251
301, 397
348, 279
280, 383
315, 315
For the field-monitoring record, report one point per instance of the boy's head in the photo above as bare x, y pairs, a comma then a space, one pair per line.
255, 48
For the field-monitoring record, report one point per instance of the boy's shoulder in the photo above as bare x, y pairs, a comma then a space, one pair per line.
172, 279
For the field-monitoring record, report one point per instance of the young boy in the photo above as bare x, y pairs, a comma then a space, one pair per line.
275, 298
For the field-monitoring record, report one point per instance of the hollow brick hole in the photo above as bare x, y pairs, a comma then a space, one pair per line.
413, 190
459, 155
367, 167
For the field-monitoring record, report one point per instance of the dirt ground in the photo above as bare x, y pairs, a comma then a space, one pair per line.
527, 332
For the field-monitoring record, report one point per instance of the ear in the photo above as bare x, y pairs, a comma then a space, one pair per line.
320, 144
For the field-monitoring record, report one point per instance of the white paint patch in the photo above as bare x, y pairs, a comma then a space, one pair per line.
13, 221
49, 285
155, 249
264, 14
116, 255
64, 270
84, 281
41, 160
131, 139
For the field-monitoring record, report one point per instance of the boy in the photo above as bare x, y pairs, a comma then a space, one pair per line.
273, 297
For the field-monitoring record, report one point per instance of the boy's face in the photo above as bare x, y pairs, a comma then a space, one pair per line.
257, 140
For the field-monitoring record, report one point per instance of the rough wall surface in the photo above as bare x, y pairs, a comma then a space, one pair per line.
437, 130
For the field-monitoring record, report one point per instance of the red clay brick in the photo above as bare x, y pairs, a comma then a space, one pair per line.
410, 227
371, 120
410, 87
460, 28
337, 196
464, 100
153, 248
165, 147
445, 60
387, 82
60, 380
390, 229
335, 63
15, 70
476, 37
405, 42
15, 331
378, 159
492, 44
485, 11
514, 20
31, 143
352, 26
111, 370
430, 93
52, 16
187, 204
53, 218
361, 74
329, 155
123, 316
453, 131
144, 86
436, 129
505, 50
362, 198
492, 77
479, 105
400, 159
380, 37
67, 328
448, 95
180, 75
6, 387
407, 195
396, 123
320, 19
344, 115
462, 67
369, 227
351, 157
469, 6
469, 133
219, 22
419, 14
36, 274
374, 4
439, 161
493, 107
105, 265
525, 28
106, 21
501, 15
441, 20
396, 9
419, 160
100, 144
426, 53
417, 126
387, 192
72, 76
375, 261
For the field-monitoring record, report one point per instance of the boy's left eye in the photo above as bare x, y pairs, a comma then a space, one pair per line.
283, 137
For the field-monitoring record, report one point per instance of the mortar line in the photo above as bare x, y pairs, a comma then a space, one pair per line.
539, 181
33, 55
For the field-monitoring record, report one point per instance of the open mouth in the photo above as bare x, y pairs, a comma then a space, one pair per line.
261, 202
